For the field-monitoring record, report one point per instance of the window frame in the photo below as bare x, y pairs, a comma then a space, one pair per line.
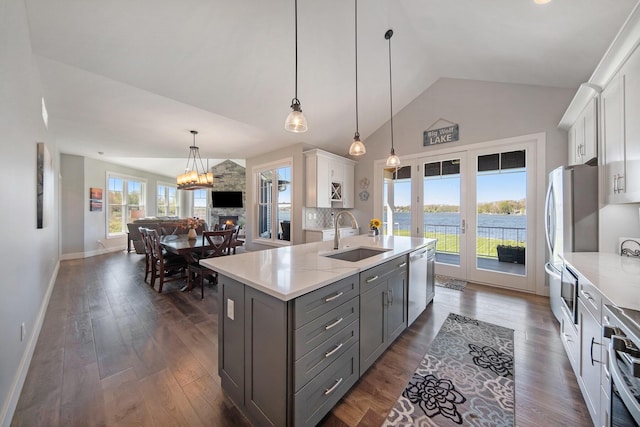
272, 167
167, 186
143, 200
207, 192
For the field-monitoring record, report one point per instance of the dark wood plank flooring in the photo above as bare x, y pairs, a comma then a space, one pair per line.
114, 352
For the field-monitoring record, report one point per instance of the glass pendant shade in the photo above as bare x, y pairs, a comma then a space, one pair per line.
357, 147
296, 121
393, 161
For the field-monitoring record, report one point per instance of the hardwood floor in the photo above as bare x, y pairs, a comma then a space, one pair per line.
114, 352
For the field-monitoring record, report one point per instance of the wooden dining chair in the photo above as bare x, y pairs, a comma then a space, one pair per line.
146, 240
235, 242
214, 244
164, 267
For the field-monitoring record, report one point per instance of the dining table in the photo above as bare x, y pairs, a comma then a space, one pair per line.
181, 244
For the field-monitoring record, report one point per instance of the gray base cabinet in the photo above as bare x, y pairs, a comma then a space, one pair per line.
383, 308
287, 363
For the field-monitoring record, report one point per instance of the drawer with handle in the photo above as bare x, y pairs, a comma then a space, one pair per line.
591, 297
372, 276
324, 327
316, 399
312, 363
319, 302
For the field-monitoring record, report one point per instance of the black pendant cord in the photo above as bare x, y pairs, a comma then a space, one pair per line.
296, 36
387, 36
356, 26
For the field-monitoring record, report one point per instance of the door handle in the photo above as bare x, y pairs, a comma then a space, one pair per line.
463, 227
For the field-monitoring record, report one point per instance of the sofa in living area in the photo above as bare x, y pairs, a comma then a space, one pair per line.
164, 226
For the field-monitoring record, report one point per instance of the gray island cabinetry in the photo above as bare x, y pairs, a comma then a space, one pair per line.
383, 305
297, 328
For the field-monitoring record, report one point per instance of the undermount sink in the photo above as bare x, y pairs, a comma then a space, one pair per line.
357, 254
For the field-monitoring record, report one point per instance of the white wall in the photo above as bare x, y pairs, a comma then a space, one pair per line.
484, 111
29, 259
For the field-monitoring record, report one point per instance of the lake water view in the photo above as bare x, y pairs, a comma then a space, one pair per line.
512, 227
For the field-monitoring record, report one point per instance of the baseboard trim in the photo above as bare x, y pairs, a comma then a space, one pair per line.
79, 255
9, 407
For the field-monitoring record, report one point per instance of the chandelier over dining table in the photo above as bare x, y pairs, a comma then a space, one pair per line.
196, 176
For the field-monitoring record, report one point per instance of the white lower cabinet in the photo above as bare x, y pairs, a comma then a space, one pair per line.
590, 345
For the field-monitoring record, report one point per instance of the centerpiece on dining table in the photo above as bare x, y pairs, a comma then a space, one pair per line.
192, 225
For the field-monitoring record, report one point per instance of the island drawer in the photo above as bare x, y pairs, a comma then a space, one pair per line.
372, 276
312, 363
324, 327
317, 398
591, 297
319, 302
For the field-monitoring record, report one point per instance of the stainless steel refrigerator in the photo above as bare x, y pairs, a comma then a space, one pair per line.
571, 220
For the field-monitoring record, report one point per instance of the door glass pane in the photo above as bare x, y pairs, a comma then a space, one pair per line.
396, 217
501, 231
441, 212
284, 203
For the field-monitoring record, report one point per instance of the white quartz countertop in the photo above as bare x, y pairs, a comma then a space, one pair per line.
617, 277
292, 271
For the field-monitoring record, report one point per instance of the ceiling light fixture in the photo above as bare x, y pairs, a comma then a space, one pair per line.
357, 147
195, 177
296, 122
392, 161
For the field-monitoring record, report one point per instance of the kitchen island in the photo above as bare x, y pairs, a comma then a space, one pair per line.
297, 328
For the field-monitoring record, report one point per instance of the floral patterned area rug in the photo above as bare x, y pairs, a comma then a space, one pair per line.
450, 282
466, 378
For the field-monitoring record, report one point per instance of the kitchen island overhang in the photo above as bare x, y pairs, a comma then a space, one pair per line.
292, 271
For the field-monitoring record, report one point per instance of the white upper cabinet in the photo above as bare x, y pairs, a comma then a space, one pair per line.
583, 141
621, 133
329, 180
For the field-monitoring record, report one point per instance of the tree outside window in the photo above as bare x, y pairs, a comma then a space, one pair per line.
125, 198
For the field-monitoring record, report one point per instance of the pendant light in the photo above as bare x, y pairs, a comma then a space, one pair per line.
296, 122
392, 161
357, 147
195, 177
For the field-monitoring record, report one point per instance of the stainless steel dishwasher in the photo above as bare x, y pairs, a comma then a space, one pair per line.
421, 280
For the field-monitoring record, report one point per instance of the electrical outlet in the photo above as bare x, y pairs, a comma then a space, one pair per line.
230, 309
23, 331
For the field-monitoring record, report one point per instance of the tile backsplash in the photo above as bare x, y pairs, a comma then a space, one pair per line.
322, 218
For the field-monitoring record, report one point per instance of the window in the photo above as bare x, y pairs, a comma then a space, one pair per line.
125, 199
200, 204
273, 184
167, 200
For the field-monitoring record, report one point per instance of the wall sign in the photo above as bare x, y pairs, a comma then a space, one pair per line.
441, 135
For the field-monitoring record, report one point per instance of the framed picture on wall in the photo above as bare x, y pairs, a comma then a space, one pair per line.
95, 199
44, 185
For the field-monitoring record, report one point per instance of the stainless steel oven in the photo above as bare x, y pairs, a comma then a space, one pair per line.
569, 293
623, 365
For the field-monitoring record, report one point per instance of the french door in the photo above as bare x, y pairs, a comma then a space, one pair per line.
478, 203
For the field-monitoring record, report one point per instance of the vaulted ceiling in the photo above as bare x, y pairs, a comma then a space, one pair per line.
131, 78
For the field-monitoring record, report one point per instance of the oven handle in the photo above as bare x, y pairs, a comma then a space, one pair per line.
616, 376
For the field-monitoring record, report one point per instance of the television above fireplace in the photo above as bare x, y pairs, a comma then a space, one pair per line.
226, 199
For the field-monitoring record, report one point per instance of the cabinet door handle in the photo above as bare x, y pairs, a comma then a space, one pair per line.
327, 327
390, 296
620, 184
615, 184
336, 296
333, 387
402, 264
371, 279
332, 352
593, 341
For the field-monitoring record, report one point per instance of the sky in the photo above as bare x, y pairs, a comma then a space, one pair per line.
445, 191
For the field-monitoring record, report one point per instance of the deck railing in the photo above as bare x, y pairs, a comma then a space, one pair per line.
488, 238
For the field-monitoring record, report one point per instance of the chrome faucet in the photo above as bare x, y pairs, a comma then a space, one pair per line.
336, 237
